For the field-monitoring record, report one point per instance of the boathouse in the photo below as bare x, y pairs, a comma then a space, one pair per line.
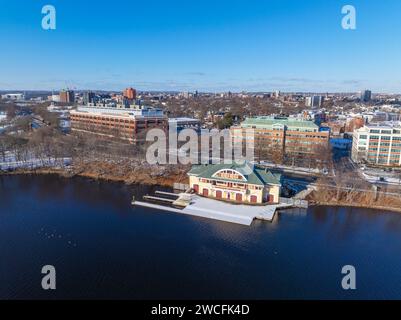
245, 183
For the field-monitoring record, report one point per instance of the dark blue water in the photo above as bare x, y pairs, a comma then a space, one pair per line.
102, 247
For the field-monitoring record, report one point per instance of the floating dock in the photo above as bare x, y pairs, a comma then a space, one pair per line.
158, 199
195, 205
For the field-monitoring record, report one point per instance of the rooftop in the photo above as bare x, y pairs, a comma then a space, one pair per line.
384, 125
253, 174
120, 110
183, 119
290, 123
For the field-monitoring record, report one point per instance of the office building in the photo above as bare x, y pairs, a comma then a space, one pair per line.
291, 136
378, 144
314, 101
366, 95
129, 123
88, 97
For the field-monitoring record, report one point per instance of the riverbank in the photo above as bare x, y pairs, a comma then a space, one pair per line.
353, 205
164, 176
117, 172
356, 198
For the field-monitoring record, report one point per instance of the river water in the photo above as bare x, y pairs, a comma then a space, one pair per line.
102, 247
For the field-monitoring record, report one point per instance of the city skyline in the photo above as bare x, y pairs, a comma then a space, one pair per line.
210, 47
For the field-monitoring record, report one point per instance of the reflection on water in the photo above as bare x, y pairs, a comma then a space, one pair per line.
102, 247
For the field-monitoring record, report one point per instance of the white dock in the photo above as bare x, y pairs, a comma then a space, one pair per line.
158, 199
168, 193
223, 211
156, 206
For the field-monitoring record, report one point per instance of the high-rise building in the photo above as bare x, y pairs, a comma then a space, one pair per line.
129, 93
378, 144
67, 96
366, 95
88, 97
314, 101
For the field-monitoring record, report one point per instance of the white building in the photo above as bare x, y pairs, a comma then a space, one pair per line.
184, 123
378, 144
13, 96
119, 109
314, 101
54, 98
3, 116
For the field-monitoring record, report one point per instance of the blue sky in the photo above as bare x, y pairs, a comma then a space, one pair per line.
219, 45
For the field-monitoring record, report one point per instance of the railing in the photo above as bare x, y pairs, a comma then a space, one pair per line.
295, 202
180, 186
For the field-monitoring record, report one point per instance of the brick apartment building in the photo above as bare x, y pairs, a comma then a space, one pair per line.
67, 96
130, 94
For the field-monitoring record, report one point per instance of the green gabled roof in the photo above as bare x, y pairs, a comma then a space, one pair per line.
253, 174
269, 122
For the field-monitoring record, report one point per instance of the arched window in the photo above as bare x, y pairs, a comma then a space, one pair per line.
229, 174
